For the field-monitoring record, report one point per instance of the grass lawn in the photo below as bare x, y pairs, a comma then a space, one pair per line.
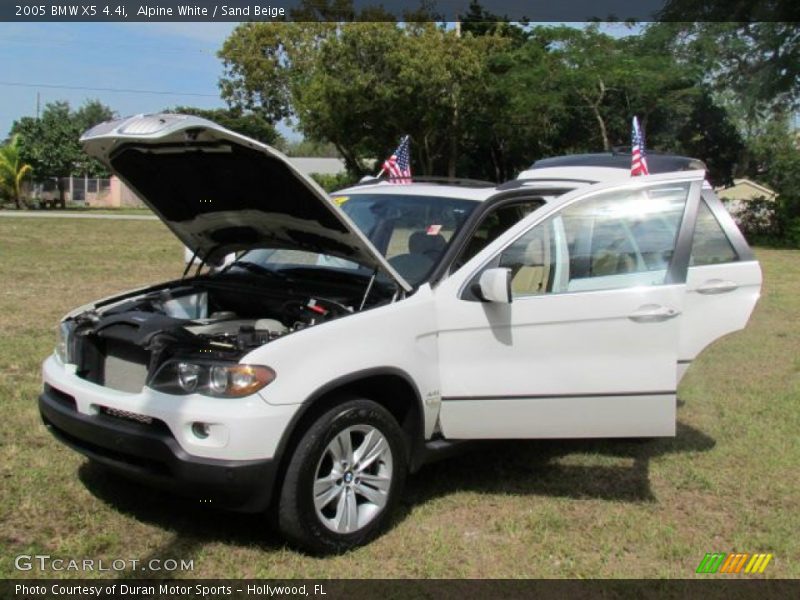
728, 481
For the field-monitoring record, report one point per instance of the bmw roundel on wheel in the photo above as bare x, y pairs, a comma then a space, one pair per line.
356, 335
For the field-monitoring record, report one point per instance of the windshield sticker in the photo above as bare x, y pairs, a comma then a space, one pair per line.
433, 229
339, 200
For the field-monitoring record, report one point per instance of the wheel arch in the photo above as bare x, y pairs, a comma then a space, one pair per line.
392, 388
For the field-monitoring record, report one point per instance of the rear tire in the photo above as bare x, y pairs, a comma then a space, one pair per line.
344, 478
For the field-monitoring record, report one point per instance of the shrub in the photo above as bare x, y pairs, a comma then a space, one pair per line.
331, 183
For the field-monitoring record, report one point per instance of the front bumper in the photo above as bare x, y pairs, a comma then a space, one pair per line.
148, 436
149, 453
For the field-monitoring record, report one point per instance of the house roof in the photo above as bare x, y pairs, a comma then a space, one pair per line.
314, 164
742, 184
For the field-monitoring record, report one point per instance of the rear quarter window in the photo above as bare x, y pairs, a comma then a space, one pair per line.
710, 245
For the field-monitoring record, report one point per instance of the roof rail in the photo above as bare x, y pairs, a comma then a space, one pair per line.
513, 184
657, 162
478, 183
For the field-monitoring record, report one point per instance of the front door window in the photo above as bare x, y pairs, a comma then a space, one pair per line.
618, 239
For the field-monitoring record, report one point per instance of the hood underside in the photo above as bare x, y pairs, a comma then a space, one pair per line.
220, 192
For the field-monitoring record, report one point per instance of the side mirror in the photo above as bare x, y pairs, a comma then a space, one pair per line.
494, 285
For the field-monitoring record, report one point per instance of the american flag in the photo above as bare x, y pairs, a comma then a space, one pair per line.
398, 165
638, 156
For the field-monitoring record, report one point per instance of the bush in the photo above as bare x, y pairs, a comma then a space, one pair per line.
767, 222
331, 183
757, 218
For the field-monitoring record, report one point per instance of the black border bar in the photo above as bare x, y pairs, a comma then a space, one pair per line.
396, 10
707, 588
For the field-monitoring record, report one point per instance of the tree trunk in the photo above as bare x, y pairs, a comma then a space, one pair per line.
603, 133
452, 157
427, 160
594, 105
351, 162
62, 200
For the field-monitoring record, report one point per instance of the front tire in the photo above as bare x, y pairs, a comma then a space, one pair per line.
344, 478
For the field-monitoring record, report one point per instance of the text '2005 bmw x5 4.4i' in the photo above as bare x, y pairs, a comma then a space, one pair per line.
355, 335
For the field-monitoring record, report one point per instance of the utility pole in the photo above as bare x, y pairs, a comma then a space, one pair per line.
37, 106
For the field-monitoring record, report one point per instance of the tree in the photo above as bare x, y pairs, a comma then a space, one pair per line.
50, 144
90, 114
485, 103
708, 133
260, 60
362, 85
776, 161
479, 21
12, 171
613, 79
523, 114
252, 124
751, 55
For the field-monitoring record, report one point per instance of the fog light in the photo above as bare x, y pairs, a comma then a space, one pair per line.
201, 430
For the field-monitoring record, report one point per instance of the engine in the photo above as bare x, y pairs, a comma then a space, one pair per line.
120, 346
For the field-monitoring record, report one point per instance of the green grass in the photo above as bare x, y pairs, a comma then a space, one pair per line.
727, 482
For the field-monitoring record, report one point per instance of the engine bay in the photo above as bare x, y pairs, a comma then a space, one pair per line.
120, 344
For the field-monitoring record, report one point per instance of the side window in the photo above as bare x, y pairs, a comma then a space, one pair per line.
616, 239
536, 260
493, 225
710, 244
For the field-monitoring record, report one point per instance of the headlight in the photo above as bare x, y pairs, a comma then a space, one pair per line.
188, 376
211, 378
63, 340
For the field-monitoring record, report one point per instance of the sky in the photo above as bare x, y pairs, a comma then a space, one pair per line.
178, 60
175, 63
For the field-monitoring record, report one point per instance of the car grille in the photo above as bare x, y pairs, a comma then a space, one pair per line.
127, 415
125, 371
111, 362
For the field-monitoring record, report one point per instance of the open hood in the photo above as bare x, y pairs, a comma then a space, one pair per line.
220, 191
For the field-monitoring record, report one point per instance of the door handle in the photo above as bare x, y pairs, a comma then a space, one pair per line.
716, 286
653, 313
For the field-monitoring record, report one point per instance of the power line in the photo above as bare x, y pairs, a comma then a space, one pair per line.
113, 90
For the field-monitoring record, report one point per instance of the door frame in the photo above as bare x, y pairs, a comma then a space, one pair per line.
677, 269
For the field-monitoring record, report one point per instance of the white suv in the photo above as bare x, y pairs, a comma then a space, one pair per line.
357, 335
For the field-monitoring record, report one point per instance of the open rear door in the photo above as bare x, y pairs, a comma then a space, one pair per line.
723, 281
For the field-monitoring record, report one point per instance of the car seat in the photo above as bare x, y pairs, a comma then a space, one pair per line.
532, 275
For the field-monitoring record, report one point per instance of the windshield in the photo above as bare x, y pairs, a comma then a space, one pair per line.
411, 232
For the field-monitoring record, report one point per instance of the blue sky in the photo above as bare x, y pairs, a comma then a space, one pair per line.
165, 57
179, 58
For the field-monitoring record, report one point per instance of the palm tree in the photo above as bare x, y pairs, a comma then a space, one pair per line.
12, 171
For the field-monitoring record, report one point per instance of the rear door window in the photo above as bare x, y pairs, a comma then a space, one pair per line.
710, 245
